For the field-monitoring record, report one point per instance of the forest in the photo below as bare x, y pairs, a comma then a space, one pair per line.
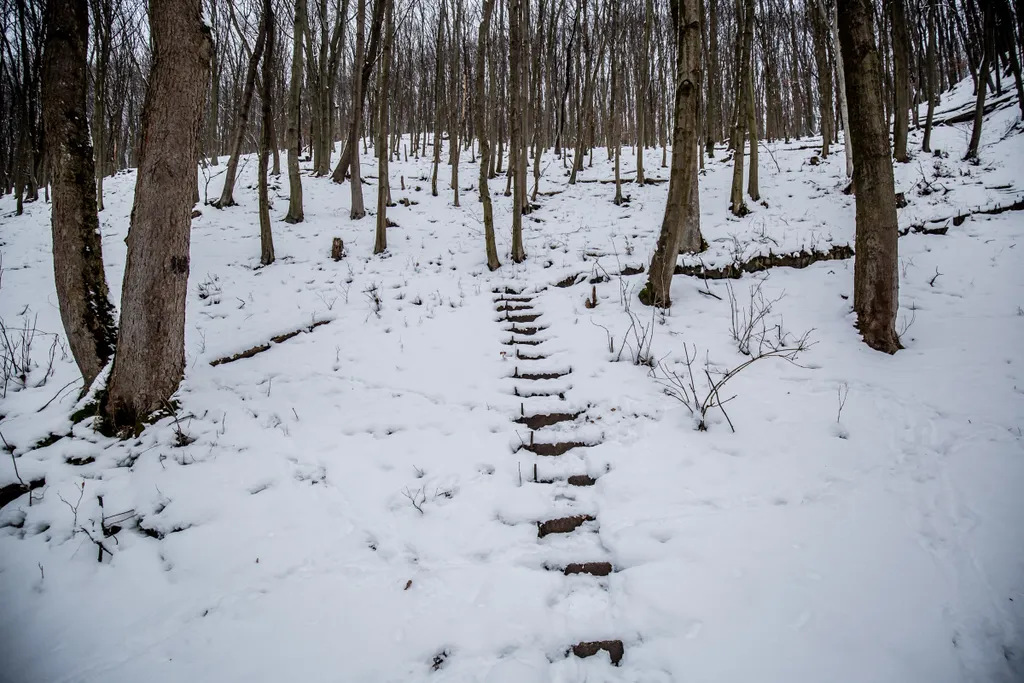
511, 340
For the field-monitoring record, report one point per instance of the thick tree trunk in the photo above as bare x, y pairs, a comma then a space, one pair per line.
267, 136
682, 186
150, 355
875, 277
82, 295
295, 211
227, 195
481, 124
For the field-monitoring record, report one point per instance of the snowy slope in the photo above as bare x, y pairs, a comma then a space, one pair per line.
357, 503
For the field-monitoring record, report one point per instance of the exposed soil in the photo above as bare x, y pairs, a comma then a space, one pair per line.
546, 419
559, 448
592, 568
523, 342
525, 331
528, 393
581, 480
12, 492
539, 376
520, 318
562, 525
614, 648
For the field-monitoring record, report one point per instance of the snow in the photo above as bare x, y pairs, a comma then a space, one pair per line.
876, 542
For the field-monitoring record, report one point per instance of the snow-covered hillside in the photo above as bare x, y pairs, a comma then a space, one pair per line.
365, 501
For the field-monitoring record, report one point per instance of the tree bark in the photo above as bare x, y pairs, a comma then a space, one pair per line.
901, 79
481, 124
227, 195
438, 96
380, 243
82, 295
150, 355
357, 210
979, 103
516, 115
682, 186
876, 277
267, 142
930, 78
744, 102
295, 211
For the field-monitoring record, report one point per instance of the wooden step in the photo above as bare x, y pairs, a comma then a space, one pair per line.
562, 525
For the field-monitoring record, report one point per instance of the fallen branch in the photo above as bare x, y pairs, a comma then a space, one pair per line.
800, 259
260, 348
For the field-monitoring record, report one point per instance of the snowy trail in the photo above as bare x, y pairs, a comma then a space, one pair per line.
366, 501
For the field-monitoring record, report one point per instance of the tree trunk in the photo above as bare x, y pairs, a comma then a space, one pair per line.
901, 79
266, 136
150, 356
515, 41
361, 85
824, 79
844, 109
481, 125
979, 103
682, 187
380, 243
455, 125
358, 210
875, 277
753, 190
227, 195
295, 212
930, 77
744, 102
82, 294
714, 107
438, 96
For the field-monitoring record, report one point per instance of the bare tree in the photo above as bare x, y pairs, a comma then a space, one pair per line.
267, 135
481, 124
150, 356
875, 276
82, 294
517, 146
295, 212
358, 210
380, 243
682, 189
227, 195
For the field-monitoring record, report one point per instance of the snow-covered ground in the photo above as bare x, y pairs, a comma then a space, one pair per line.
357, 503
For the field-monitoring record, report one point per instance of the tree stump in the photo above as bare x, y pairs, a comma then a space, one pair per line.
337, 249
